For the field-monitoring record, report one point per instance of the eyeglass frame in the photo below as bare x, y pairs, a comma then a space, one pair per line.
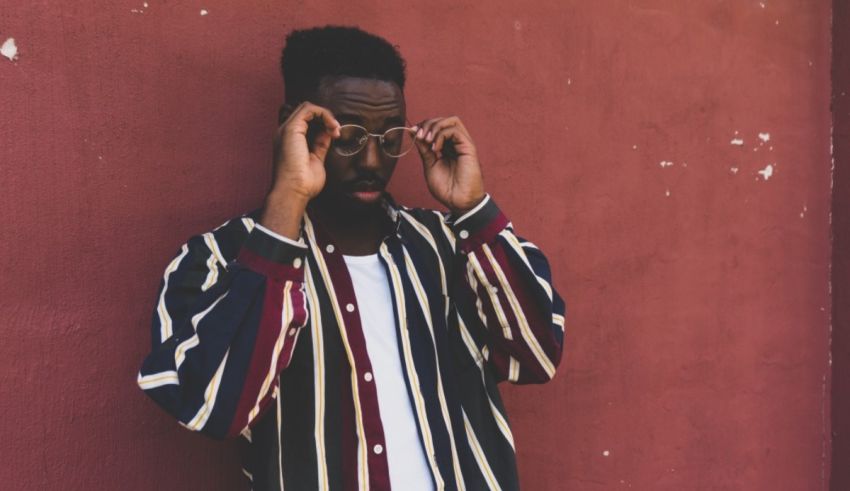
380, 137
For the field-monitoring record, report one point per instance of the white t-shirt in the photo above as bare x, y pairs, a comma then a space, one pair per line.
408, 466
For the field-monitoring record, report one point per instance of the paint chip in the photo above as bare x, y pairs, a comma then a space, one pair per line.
767, 171
9, 49
667, 193
765, 137
762, 4
665, 163
634, 147
204, 12
737, 141
734, 170
803, 213
605, 453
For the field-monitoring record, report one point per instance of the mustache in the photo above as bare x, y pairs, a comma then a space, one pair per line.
365, 182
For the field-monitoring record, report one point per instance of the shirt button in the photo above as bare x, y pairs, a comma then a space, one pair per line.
367, 376
349, 307
292, 331
378, 449
296, 263
464, 234
329, 248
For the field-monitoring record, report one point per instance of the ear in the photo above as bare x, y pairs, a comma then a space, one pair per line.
284, 112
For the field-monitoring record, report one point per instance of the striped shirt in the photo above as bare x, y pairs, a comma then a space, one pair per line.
260, 337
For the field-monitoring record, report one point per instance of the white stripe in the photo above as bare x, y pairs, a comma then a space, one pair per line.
209, 238
474, 210
155, 380
426, 309
418, 399
278, 397
491, 293
558, 320
426, 234
513, 369
450, 236
318, 378
165, 331
212, 275
514, 243
182, 348
249, 224
297, 243
524, 328
480, 457
362, 444
210, 396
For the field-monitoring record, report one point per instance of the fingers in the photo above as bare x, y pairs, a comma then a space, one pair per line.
306, 112
435, 132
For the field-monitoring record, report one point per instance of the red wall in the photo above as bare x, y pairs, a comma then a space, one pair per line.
699, 308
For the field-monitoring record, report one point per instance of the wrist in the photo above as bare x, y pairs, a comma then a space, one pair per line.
465, 208
283, 212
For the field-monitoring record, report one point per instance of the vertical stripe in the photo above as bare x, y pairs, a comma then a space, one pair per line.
161, 309
480, 456
278, 417
318, 379
362, 444
492, 295
419, 402
210, 396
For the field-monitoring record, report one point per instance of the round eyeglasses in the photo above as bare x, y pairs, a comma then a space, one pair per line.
353, 138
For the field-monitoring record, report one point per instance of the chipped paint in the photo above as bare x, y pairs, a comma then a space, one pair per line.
606, 453
767, 171
734, 170
665, 163
764, 137
204, 11
737, 141
9, 49
667, 193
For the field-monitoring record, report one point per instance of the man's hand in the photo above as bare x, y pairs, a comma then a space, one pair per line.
299, 171
450, 161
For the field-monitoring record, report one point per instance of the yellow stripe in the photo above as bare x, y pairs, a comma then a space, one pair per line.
491, 293
524, 328
210, 395
318, 377
212, 276
164, 318
411, 370
363, 451
480, 457
426, 308
514, 242
213, 245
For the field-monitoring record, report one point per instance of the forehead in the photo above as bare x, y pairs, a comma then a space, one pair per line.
366, 100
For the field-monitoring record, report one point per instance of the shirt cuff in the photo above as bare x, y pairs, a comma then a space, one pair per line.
480, 225
273, 255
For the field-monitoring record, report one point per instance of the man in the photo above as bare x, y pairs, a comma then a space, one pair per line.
355, 343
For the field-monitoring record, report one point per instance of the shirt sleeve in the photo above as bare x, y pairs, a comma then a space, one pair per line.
504, 284
223, 331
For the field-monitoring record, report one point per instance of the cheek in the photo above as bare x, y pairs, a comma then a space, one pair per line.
337, 168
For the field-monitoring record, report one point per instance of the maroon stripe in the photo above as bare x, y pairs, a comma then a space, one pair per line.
484, 235
267, 335
539, 320
269, 268
379, 476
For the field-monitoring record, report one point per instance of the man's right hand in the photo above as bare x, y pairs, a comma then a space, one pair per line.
299, 171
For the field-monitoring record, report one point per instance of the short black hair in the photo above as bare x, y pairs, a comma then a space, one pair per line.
312, 54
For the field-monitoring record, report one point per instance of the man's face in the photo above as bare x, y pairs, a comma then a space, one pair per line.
353, 182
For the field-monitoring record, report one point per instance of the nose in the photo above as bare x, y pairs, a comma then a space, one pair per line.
371, 155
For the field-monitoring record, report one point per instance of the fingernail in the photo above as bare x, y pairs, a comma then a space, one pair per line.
419, 133
428, 136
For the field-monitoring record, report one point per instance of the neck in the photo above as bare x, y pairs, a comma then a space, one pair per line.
355, 232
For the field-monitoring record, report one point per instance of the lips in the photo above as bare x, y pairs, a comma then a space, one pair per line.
366, 191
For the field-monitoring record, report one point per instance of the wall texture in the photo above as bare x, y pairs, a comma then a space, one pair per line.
672, 158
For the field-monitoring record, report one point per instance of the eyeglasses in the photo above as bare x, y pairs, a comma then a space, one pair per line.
353, 138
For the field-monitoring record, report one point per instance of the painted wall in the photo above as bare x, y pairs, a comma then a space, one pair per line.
841, 247
672, 158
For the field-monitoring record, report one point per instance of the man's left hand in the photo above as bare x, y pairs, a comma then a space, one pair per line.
450, 162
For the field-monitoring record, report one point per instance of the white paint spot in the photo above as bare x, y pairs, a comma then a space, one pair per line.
777, 22
684, 164
734, 170
605, 453
634, 147
145, 5
767, 171
737, 141
569, 81
9, 49
765, 137
136, 11
665, 163
803, 213
762, 4
204, 12
810, 63
667, 193
770, 148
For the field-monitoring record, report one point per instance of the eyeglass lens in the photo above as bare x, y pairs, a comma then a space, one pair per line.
395, 142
